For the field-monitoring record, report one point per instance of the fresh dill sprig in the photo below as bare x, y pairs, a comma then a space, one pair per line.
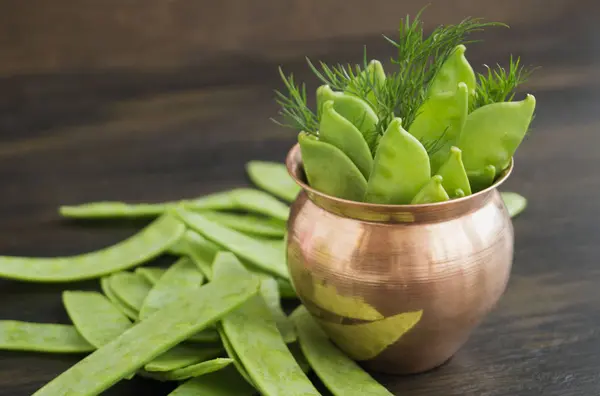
294, 108
354, 79
419, 59
499, 84
403, 91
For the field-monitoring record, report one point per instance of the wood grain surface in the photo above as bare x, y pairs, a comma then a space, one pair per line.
148, 128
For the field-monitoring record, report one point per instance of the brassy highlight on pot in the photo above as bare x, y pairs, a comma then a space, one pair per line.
427, 130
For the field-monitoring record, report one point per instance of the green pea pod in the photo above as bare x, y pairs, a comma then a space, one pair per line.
432, 192
143, 246
150, 274
41, 337
329, 170
401, 167
270, 292
353, 109
97, 319
233, 356
274, 178
459, 193
253, 334
130, 288
454, 174
341, 133
456, 69
193, 370
116, 300
199, 249
226, 382
181, 278
249, 224
152, 337
182, 355
492, 134
515, 203
439, 122
339, 373
254, 251
373, 76
246, 199
286, 289
209, 335
483, 179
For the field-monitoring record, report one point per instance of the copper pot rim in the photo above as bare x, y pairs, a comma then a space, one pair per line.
294, 167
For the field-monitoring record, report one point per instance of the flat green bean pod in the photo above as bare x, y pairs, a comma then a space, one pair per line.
274, 178
97, 319
492, 134
100, 322
111, 209
181, 278
209, 335
195, 370
247, 199
41, 337
249, 224
199, 249
153, 336
339, 373
182, 356
130, 288
233, 356
482, 179
117, 302
253, 334
351, 108
374, 76
150, 274
515, 203
431, 192
286, 289
455, 70
329, 170
238, 199
401, 167
341, 133
226, 382
299, 356
440, 121
141, 247
454, 174
270, 292
260, 254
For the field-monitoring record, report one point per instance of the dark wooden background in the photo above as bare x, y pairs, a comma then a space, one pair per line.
155, 100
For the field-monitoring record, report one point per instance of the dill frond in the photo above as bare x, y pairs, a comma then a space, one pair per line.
403, 91
420, 58
294, 108
499, 84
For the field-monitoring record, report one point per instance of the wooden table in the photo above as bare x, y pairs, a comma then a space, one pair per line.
153, 136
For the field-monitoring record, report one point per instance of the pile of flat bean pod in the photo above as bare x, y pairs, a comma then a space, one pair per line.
212, 321
345, 158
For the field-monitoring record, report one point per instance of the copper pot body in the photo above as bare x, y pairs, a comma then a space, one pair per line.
399, 288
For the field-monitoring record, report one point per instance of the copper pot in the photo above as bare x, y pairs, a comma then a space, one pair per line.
399, 288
